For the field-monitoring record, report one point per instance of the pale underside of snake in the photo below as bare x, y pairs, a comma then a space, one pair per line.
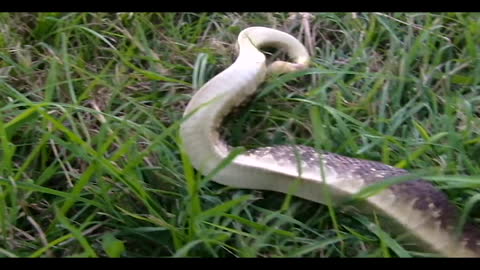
420, 209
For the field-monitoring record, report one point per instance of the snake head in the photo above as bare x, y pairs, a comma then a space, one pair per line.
281, 67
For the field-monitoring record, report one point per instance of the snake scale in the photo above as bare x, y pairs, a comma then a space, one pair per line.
420, 209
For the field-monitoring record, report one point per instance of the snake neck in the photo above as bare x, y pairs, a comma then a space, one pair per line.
230, 88
214, 101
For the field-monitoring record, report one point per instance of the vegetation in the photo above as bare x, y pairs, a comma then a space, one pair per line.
91, 162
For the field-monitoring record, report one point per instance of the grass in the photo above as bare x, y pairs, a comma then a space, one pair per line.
91, 163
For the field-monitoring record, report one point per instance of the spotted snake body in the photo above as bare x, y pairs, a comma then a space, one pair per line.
417, 206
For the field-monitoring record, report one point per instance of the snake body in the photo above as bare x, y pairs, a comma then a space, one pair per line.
417, 206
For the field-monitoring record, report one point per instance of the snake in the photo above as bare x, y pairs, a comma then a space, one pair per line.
417, 207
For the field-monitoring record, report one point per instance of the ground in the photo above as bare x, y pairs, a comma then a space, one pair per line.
91, 162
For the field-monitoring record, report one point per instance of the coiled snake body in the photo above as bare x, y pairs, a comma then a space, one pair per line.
417, 206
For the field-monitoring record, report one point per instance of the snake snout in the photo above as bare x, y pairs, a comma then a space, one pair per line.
280, 67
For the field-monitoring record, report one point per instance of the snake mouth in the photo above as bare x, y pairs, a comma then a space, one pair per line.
278, 56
